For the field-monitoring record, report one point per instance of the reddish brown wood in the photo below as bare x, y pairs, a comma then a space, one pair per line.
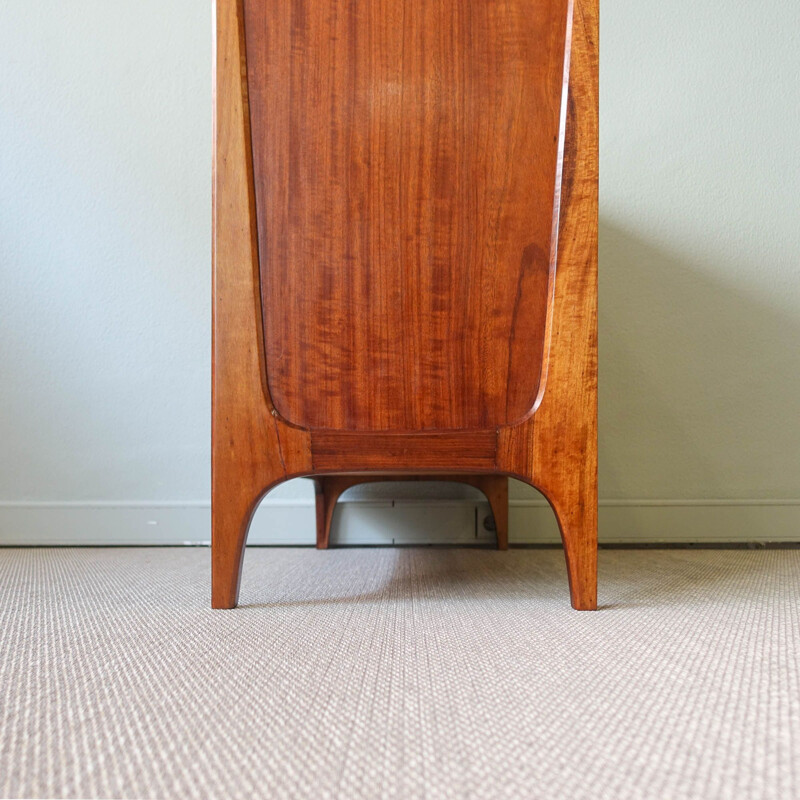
495, 487
330, 488
468, 451
390, 318
407, 154
327, 492
556, 451
251, 450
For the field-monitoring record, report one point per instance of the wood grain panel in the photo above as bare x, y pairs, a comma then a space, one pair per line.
405, 155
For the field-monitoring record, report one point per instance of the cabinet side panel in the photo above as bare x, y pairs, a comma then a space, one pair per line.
405, 155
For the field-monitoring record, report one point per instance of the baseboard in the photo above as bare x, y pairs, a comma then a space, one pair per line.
402, 522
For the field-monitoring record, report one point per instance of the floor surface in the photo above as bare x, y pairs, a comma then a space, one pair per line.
408, 673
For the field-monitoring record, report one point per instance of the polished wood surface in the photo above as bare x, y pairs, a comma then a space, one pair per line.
470, 451
254, 447
405, 159
328, 490
251, 451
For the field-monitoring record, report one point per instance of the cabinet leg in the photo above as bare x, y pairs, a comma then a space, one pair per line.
327, 491
232, 507
576, 512
495, 487
574, 502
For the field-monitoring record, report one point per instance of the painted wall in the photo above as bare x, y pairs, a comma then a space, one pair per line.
105, 124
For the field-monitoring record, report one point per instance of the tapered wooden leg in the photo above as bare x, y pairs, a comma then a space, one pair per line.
323, 535
328, 490
575, 507
495, 487
232, 506
230, 519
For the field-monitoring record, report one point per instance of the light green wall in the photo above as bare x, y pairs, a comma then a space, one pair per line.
700, 249
105, 124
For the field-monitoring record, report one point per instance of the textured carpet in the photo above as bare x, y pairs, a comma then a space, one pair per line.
399, 673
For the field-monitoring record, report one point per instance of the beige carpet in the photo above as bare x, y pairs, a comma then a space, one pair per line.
399, 674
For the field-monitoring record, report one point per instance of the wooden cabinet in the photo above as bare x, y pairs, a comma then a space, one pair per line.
405, 256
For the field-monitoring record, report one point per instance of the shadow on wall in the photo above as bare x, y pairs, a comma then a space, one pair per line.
699, 376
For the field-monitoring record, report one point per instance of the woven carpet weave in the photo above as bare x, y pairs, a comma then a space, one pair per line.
407, 673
